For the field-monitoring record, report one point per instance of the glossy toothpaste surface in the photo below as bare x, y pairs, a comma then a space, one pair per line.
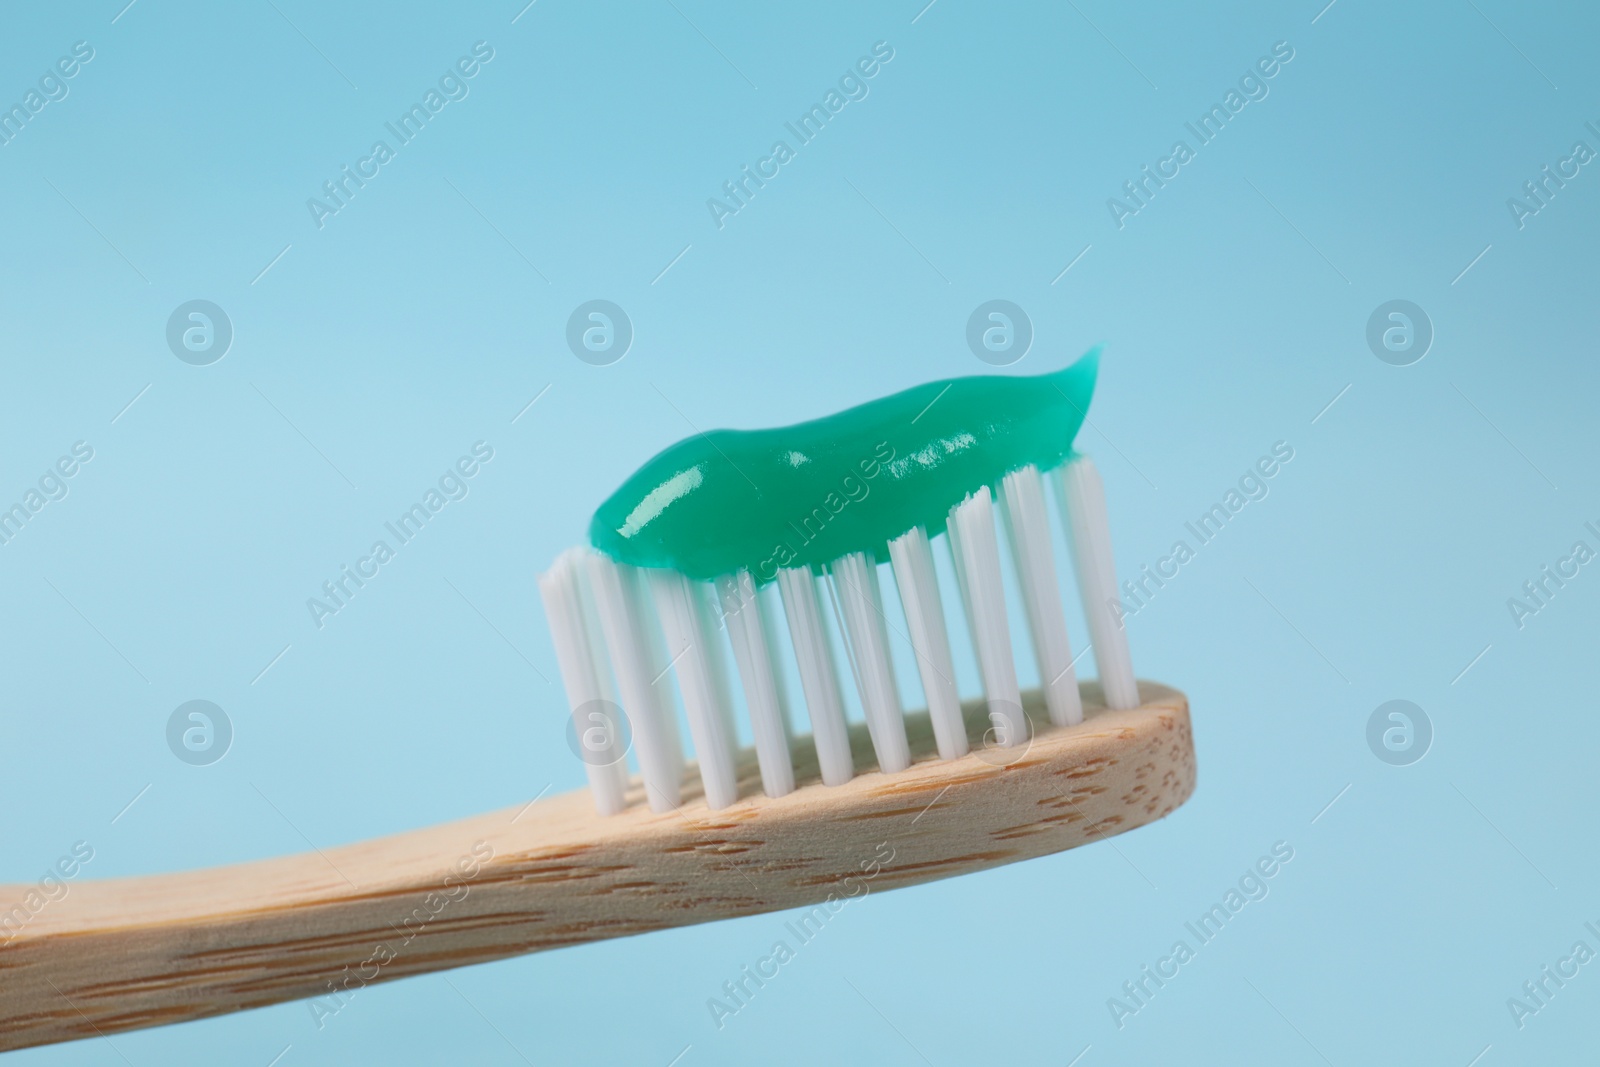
804, 495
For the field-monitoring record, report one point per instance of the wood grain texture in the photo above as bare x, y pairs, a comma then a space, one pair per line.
121, 954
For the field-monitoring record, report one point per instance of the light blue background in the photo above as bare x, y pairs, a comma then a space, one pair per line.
417, 322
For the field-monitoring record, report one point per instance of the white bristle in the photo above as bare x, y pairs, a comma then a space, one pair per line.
621, 611
952, 541
978, 549
853, 581
1083, 506
742, 612
717, 650
1028, 529
912, 557
690, 650
655, 646
765, 595
586, 677
819, 677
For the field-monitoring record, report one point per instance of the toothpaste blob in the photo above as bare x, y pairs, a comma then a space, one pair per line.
804, 495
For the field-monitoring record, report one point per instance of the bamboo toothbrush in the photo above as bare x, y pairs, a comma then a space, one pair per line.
700, 541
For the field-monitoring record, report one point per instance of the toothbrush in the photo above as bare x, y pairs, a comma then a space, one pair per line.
702, 541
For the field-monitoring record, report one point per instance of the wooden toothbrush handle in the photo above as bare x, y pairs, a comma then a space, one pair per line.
127, 953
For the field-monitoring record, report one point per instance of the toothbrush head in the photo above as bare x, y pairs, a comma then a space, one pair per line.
770, 548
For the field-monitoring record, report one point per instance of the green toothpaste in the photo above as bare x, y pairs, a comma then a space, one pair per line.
804, 495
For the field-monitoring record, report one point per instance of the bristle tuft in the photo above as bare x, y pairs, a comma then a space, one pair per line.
619, 630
